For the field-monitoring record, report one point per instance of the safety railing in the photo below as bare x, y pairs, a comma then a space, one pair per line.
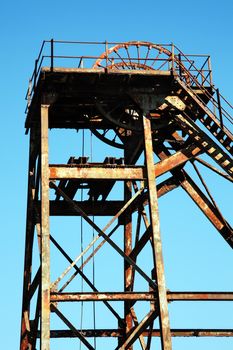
194, 70
217, 104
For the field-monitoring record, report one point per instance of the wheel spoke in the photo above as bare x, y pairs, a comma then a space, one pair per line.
134, 56
122, 59
147, 55
105, 136
138, 51
126, 48
156, 58
163, 64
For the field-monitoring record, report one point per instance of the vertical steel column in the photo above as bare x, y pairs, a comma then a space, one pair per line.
25, 325
127, 248
157, 245
127, 266
45, 240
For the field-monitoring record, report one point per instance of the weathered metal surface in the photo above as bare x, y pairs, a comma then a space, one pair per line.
45, 240
206, 143
155, 333
85, 278
127, 250
35, 283
156, 239
141, 243
89, 98
211, 167
107, 208
98, 72
121, 172
135, 334
72, 328
201, 200
25, 324
110, 296
136, 324
205, 108
100, 233
176, 102
92, 172
207, 208
122, 296
200, 296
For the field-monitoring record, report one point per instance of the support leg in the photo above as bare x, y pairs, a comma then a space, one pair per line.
25, 324
127, 266
45, 240
157, 246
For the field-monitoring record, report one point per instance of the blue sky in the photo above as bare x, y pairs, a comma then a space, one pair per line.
198, 27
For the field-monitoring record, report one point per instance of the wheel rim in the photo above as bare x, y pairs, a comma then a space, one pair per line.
135, 55
132, 55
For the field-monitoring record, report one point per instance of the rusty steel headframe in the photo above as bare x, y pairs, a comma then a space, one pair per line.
144, 99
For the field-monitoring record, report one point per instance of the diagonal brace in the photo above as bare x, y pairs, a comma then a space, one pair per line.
101, 233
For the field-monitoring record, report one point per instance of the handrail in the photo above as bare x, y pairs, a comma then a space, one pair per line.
184, 65
215, 103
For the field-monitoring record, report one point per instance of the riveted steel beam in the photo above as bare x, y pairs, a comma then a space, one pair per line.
119, 172
197, 332
45, 239
156, 239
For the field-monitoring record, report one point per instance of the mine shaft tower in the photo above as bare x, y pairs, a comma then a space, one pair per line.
159, 110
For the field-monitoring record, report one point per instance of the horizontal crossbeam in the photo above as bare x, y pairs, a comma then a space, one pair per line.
120, 172
139, 296
107, 207
199, 332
